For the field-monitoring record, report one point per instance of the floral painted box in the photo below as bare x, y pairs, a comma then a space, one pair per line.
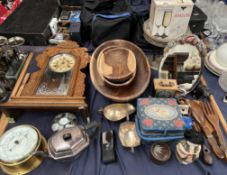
159, 115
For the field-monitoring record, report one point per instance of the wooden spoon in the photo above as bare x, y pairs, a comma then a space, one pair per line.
198, 115
214, 121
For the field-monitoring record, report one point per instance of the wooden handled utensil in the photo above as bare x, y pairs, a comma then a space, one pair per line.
216, 108
214, 121
198, 115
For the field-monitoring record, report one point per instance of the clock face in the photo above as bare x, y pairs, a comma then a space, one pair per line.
161, 112
61, 63
18, 143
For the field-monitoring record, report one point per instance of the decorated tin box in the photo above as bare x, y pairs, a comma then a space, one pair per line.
159, 117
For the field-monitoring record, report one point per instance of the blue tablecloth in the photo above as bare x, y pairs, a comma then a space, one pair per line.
139, 163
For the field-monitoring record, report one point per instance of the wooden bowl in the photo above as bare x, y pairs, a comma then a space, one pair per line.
117, 65
119, 84
136, 87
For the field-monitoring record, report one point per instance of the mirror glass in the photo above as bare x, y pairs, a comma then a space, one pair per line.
183, 62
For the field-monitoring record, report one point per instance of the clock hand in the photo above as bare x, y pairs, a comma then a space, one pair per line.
16, 142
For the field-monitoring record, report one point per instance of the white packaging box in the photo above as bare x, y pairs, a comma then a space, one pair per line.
169, 18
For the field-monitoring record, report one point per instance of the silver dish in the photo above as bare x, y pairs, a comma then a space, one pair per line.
128, 135
117, 111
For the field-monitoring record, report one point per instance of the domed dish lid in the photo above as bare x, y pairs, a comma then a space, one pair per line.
67, 143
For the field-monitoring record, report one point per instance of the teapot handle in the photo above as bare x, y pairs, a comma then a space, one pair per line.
89, 126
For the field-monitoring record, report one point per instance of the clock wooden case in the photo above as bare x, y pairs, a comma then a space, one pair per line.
51, 88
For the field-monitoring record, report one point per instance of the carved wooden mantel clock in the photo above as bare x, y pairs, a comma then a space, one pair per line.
58, 83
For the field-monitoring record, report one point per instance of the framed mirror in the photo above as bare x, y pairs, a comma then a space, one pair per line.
183, 61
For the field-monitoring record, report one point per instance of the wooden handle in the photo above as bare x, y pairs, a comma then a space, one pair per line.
23, 84
3, 122
216, 108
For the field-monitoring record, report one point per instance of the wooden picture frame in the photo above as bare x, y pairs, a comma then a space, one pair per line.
24, 93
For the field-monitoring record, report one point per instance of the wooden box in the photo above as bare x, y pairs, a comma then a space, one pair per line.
165, 88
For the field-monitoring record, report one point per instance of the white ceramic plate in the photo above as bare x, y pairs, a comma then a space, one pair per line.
213, 61
209, 66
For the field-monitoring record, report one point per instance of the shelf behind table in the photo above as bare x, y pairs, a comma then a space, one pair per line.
89, 162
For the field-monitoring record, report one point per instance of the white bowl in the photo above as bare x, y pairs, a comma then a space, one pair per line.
221, 55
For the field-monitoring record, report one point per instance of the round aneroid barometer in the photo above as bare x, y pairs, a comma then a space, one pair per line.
18, 149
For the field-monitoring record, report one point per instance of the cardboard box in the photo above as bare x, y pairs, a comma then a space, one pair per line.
169, 18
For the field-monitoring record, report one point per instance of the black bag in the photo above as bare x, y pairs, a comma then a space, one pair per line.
140, 7
72, 2
89, 9
138, 37
101, 18
107, 27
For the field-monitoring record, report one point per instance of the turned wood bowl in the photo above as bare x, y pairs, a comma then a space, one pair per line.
125, 93
117, 65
